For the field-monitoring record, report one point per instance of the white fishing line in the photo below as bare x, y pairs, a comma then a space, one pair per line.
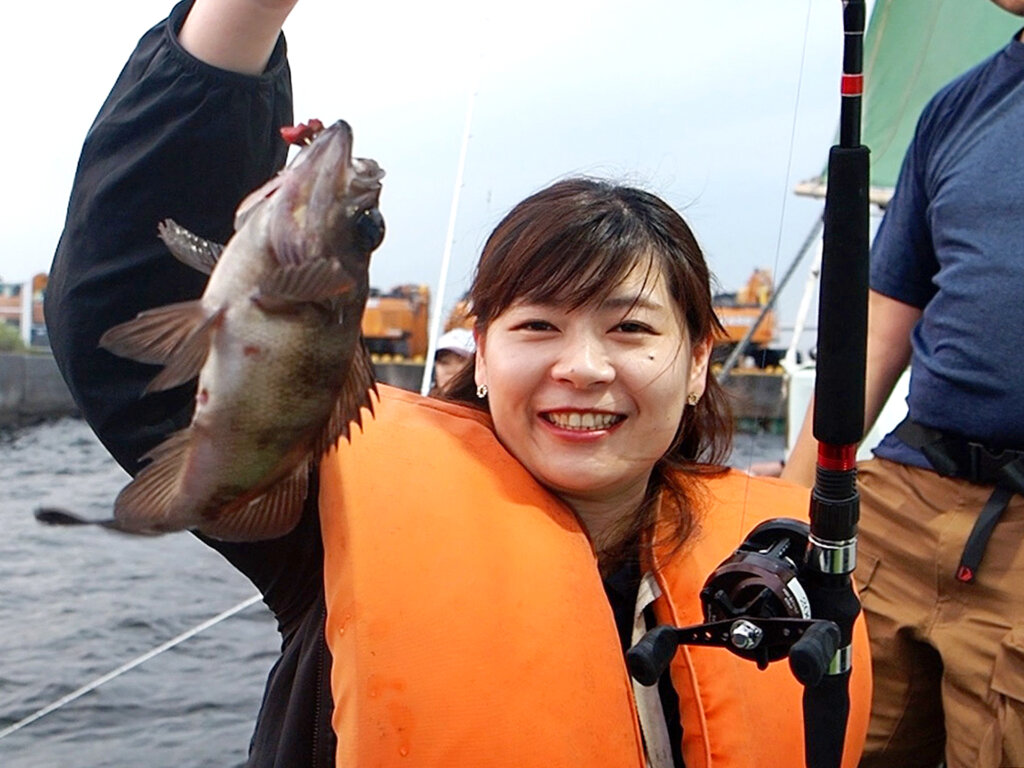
437, 300
437, 303
76, 694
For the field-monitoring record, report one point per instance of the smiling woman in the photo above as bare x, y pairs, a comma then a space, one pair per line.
595, 322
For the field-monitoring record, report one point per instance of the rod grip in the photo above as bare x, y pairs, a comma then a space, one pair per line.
843, 304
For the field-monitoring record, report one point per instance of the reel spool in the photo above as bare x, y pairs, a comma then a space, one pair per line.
755, 606
760, 581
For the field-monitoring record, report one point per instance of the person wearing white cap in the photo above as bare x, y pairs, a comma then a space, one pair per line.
454, 348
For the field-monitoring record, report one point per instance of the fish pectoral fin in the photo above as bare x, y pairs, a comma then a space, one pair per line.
310, 282
269, 516
154, 335
188, 357
146, 504
354, 396
188, 248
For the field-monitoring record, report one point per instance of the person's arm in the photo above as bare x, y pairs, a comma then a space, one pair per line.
236, 35
888, 353
177, 138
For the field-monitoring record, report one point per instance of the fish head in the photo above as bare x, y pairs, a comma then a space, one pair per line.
324, 205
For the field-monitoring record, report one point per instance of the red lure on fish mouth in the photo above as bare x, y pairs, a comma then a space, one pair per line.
303, 133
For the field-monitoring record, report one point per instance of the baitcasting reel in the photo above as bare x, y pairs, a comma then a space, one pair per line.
755, 606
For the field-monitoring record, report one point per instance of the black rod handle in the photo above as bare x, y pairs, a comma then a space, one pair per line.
843, 304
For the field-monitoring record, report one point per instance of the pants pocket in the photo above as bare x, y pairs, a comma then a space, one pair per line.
865, 571
1003, 744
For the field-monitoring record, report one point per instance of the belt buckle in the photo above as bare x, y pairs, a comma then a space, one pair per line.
986, 465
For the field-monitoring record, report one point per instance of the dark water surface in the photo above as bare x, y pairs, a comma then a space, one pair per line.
77, 603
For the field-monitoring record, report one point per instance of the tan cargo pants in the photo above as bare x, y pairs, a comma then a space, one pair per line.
948, 657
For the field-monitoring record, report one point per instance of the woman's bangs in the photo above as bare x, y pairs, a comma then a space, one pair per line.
583, 269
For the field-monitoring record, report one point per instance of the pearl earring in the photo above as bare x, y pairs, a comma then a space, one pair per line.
481, 391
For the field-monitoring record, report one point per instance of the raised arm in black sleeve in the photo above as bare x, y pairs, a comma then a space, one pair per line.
176, 138
179, 139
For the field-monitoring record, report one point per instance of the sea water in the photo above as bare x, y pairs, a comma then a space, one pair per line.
76, 603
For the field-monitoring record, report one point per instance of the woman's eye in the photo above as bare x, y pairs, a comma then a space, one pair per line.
534, 325
630, 326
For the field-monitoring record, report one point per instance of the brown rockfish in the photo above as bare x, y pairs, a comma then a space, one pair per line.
275, 341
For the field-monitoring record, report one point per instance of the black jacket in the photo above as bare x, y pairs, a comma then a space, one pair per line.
179, 139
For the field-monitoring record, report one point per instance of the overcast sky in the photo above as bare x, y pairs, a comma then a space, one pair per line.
719, 106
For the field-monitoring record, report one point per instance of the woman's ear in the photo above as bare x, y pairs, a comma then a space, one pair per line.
479, 365
699, 362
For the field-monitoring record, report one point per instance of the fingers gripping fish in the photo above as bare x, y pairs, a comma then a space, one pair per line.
275, 342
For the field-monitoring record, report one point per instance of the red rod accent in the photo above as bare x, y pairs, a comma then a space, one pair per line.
837, 457
852, 85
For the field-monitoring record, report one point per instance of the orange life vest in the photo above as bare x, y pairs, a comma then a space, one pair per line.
468, 624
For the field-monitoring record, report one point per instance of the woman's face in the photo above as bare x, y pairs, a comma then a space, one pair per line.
589, 399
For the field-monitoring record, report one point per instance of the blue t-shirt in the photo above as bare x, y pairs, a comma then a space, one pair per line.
952, 244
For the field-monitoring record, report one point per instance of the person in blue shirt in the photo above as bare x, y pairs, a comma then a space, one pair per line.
940, 562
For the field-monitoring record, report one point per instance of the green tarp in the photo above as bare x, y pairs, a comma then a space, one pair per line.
911, 49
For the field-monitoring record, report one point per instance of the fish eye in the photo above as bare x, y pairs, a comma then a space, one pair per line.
369, 230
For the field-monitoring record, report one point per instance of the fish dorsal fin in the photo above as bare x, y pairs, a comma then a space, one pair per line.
187, 359
269, 516
311, 281
146, 504
156, 334
189, 248
354, 396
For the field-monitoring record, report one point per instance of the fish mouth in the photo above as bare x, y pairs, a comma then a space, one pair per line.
325, 192
582, 420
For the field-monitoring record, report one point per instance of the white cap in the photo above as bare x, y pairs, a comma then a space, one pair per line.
458, 340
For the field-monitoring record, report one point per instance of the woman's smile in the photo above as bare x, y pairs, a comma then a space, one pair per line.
582, 423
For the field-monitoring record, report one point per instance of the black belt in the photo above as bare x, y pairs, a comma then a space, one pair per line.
954, 456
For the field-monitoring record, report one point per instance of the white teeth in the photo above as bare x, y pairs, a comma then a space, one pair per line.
582, 421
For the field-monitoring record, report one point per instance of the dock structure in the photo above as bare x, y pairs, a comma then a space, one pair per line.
32, 390
758, 397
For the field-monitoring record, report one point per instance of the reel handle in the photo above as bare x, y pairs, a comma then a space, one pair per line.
651, 656
811, 655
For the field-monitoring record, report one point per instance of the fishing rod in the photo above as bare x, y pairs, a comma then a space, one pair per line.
787, 590
839, 403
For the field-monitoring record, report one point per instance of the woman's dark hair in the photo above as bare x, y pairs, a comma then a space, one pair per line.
573, 243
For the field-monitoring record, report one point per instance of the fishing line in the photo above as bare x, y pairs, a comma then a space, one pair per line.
446, 257
792, 136
76, 694
789, 168
437, 301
